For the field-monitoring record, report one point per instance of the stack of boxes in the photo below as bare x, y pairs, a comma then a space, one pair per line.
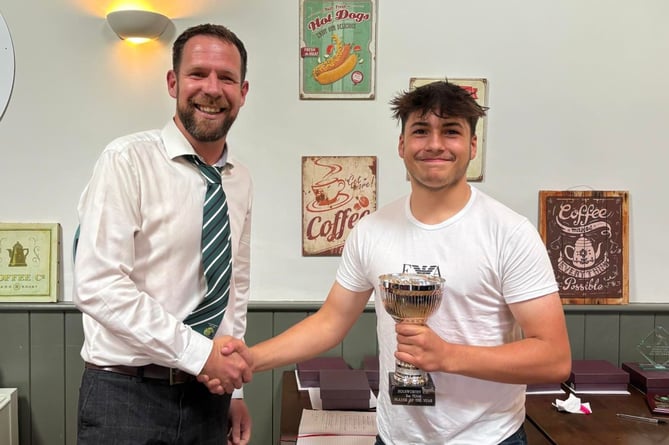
597, 376
341, 388
653, 382
647, 379
308, 371
344, 389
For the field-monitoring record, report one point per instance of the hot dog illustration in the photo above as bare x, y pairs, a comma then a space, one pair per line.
337, 66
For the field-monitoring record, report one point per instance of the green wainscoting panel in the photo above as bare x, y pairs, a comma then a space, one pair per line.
601, 336
47, 377
282, 321
633, 327
39, 355
259, 394
15, 364
662, 320
74, 368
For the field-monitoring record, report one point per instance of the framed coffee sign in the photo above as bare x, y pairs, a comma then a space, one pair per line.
586, 235
337, 191
29, 257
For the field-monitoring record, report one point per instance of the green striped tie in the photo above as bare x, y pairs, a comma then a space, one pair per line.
216, 254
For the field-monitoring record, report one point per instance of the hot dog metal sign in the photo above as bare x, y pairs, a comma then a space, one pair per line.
337, 49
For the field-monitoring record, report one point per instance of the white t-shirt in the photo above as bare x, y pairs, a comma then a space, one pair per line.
490, 257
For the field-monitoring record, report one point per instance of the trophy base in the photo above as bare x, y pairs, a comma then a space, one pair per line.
411, 395
652, 367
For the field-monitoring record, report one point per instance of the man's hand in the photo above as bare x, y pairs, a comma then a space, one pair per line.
223, 373
239, 429
420, 346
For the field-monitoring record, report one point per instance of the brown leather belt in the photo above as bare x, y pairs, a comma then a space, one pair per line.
171, 376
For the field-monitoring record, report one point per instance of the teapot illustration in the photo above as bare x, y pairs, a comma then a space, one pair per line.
17, 255
582, 253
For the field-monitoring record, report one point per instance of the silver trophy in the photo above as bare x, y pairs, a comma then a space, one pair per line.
410, 298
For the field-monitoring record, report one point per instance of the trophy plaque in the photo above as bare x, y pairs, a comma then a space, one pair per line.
655, 349
410, 298
652, 377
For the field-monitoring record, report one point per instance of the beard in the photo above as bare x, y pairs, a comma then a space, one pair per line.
203, 131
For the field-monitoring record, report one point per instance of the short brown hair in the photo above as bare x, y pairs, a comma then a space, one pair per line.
441, 98
218, 31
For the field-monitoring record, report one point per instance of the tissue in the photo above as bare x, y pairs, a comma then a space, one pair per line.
573, 404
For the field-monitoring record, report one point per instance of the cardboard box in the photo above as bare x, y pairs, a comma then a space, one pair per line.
308, 370
647, 380
344, 389
597, 388
597, 376
597, 372
370, 364
544, 388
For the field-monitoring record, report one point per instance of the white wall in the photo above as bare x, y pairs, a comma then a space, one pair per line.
576, 91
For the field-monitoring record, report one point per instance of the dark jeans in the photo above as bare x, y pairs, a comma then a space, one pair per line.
517, 438
116, 409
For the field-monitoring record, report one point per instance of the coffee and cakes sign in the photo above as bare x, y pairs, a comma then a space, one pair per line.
337, 191
586, 235
29, 260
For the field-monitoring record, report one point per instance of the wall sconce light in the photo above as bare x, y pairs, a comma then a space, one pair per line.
137, 26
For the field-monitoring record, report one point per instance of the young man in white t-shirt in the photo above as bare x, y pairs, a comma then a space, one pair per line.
500, 324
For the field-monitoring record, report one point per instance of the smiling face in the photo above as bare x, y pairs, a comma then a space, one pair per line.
208, 88
436, 150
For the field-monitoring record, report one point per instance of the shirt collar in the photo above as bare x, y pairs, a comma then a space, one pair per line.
177, 145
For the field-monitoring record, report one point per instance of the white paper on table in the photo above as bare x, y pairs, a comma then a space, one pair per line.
337, 427
336, 440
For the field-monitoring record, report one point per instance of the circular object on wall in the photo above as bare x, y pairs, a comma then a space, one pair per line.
6, 65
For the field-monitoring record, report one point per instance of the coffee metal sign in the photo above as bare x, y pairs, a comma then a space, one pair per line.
586, 235
337, 191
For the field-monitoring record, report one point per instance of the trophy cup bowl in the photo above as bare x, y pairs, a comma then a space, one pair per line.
410, 298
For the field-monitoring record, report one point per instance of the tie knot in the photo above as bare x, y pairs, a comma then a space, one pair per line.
211, 173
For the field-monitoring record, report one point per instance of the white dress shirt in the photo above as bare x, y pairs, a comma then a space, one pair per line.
138, 269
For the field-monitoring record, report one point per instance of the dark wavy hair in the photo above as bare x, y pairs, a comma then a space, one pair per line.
218, 31
442, 98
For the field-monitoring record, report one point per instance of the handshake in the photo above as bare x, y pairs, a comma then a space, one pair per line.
229, 366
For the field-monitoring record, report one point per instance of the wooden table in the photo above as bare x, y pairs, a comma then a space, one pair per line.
292, 404
544, 425
602, 426
294, 401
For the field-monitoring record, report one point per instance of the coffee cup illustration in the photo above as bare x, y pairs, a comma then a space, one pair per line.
327, 191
